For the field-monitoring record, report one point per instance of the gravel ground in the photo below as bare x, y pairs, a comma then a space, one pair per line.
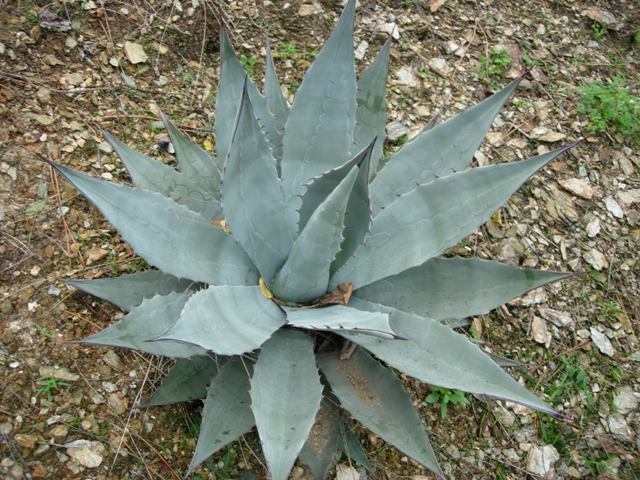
68, 411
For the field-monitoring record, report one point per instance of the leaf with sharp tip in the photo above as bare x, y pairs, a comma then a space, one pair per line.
305, 274
320, 449
252, 199
232, 78
320, 187
276, 104
227, 411
318, 134
285, 396
340, 318
439, 151
148, 320
375, 397
351, 446
445, 288
154, 175
187, 380
436, 354
194, 161
128, 291
371, 115
424, 222
167, 235
357, 217
228, 320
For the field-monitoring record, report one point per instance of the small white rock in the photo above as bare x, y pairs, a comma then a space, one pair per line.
619, 427
540, 332
602, 342
361, 49
135, 53
440, 66
391, 29
596, 259
406, 76
578, 187
541, 460
625, 400
86, 453
558, 318
346, 472
593, 227
614, 207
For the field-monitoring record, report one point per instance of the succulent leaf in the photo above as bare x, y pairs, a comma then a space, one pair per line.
194, 161
377, 399
442, 150
227, 411
318, 134
252, 199
227, 320
445, 288
285, 396
320, 187
148, 320
276, 104
316, 247
351, 446
371, 114
167, 235
424, 222
436, 354
154, 175
340, 318
320, 450
187, 380
128, 291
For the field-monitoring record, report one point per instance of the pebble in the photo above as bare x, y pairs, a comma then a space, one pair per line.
603, 17
86, 453
619, 427
59, 431
135, 53
596, 259
406, 76
26, 440
346, 472
395, 130
625, 400
602, 342
558, 318
578, 187
391, 29
71, 42
309, 9
543, 134
541, 460
540, 332
361, 49
58, 373
117, 403
105, 147
614, 207
593, 227
112, 359
440, 66
95, 254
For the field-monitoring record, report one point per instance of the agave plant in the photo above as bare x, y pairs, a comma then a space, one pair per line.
295, 269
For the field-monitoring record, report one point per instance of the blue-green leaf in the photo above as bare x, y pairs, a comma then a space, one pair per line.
253, 204
371, 115
439, 151
227, 411
340, 318
318, 134
424, 222
285, 396
167, 235
320, 450
276, 105
445, 288
436, 354
228, 320
128, 291
376, 398
146, 321
194, 161
187, 380
154, 175
305, 274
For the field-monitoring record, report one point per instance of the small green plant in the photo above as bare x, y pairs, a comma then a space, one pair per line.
610, 107
43, 331
49, 385
598, 31
571, 378
494, 64
286, 50
601, 465
552, 433
636, 37
187, 78
224, 468
610, 310
248, 63
444, 396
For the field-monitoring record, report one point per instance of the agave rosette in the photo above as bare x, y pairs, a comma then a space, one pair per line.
330, 270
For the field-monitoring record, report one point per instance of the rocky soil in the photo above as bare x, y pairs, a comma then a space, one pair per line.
69, 69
